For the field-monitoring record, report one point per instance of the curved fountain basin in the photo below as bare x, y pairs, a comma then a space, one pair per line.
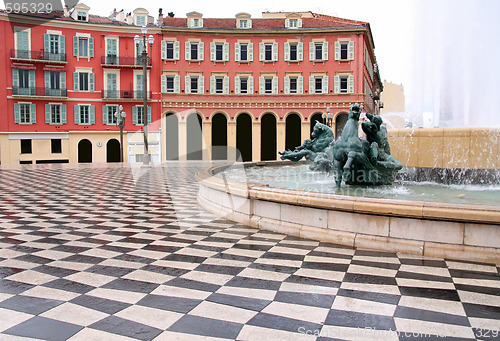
435, 229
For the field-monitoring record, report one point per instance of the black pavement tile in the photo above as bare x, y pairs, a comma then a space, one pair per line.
67, 285
54, 270
373, 253
42, 328
424, 262
325, 266
184, 258
131, 285
100, 304
14, 287
176, 304
165, 270
482, 311
478, 289
282, 323
440, 294
430, 316
252, 247
9, 271
206, 327
374, 264
359, 320
307, 299
191, 284
329, 255
312, 281
423, 277
274, 268
239, 301
253, 283
282, 256
117, 325
369, 279
370, 296
33, 259
475, 275
113, 271
220, 269
29, 305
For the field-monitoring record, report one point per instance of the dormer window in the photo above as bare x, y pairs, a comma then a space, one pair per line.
243, 21
140, 20
293, 21
194, 20
81, 16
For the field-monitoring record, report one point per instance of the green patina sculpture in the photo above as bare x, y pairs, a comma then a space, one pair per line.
353, 160
322, 137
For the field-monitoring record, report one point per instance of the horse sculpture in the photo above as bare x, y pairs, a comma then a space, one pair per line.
322, 137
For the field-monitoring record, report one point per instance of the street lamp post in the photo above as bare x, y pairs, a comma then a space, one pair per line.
120, 122
145, 41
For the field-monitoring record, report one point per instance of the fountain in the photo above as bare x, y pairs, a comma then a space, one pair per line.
368, 212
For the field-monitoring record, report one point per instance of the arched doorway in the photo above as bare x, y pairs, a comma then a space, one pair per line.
194, 137
268, 137
314, 118
172, 136
292, 132
340, 122
84, 151
113, 151
219, 137
244, 137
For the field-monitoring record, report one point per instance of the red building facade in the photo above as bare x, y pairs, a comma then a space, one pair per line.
217, 88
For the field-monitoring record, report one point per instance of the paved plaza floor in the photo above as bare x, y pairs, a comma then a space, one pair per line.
112, 252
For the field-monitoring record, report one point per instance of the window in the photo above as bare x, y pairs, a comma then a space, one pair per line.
83, 81
140, 20
24, 113
23, 44
243, 52
219, 85
56, 146
194, 51
196, 22
294, 51
83, 47
294, 85
268, 85
81, 16
219, 51
55, 114
138, 115
82, 114
54, 47
108, 114
24, 78
268, 52
318, 51
194, 85
55, 83
170, 50
111, 51
54, 44
343, 84
318, 85
23, 82
243, 24
26, 146
169, 46
344, 50
170, 84
293, 23
243, 85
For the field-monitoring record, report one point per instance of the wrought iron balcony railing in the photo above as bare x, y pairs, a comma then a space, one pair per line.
38, 55
124, 94
16, 90
122, 61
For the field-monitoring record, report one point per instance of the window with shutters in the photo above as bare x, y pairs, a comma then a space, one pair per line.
81, 16
138, 115
243, 52
268, 85
25, 113
111, 51
268, 52
294, 52
23, 82
83, 81
344, 50
55, 83
243, 85
294, 85
110, 114
194, 51
169, 50
219, 51
53, 44
23, 43
54, 47
344, 84
170, 84
219, 85
84, 113
55, 114
194, 84
318, 85
83, 46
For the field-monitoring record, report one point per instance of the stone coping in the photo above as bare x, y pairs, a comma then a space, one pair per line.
428, 229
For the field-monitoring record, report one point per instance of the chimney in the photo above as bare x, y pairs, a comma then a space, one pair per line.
171, 14
160, 17
129, 20
66, 11
120, 16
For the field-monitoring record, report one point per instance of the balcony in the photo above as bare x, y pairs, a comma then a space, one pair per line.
38, 56
39, 92
124, 94
122, 61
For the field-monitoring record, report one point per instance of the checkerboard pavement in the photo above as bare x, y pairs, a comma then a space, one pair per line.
110, 252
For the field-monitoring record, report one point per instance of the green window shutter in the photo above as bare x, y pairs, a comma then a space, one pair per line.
311, 50
62, 45
91, 47
261, 52
63, 80
76, 81
226, 52
63, 114
92, 81
92, 114
350, 84
149, 115
163, 83
287, 52
250, 85
287, 85
47, 79
275, 52
337, 50
262, 88
139, 86
237, 85
46, 43
300, 53
75, 47
201, 51
299, 23
15, 77
351, 50
226, 85
187, 50
134, 115
212, 51
32, 79
301, 85
250, 52
163, 49
33, 113
287, 23
325, 50
111, 45
177, 84
177, 50
275, 85
212, 84
201, 84
17, 113
77, 114
325, 84
104, 114
187, 84
311, 84
236, 52
336, 84
47, 113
